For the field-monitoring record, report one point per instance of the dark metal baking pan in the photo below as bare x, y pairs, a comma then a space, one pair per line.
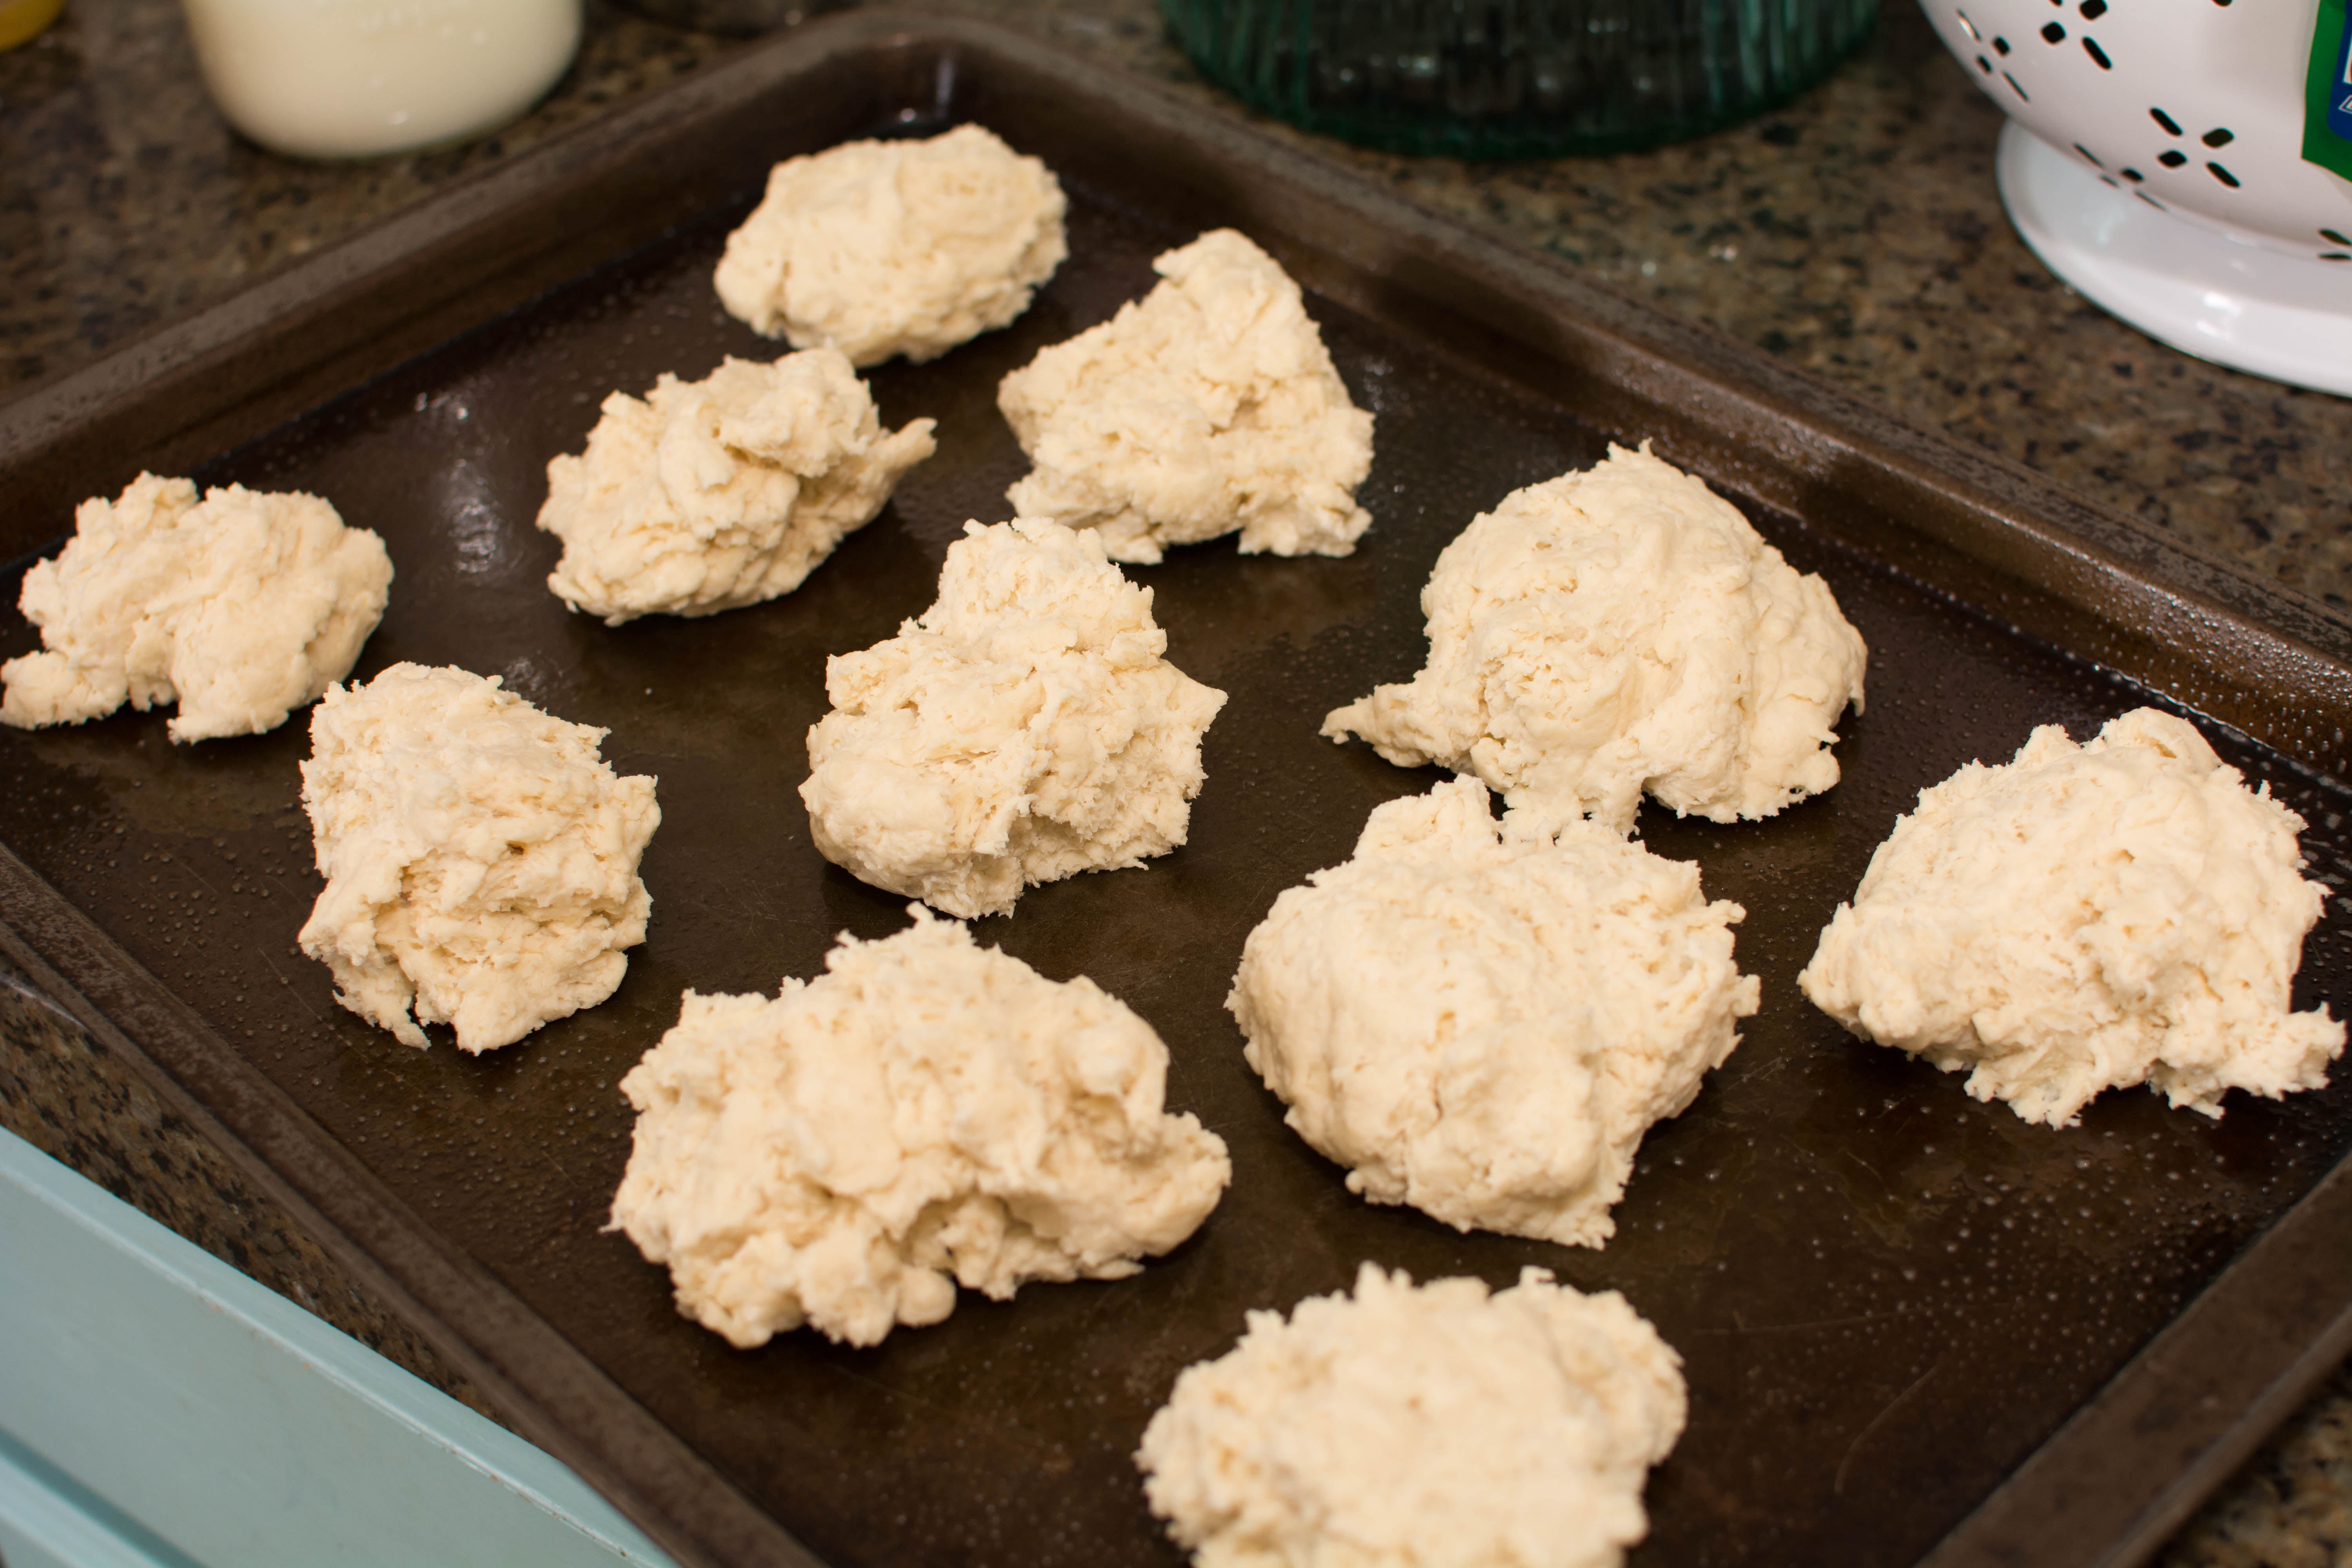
1914, 1326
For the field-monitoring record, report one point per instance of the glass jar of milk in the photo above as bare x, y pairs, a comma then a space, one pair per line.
349, 78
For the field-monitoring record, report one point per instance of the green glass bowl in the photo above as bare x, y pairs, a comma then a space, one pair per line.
1516, 79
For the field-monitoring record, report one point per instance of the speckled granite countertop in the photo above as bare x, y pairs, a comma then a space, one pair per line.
1856, 234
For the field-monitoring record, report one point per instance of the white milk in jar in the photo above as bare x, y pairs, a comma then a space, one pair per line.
346, 79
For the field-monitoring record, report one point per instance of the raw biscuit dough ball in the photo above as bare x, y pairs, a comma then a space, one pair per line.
480, 857
240, 607
2085, 918
926, 1113
1619, 630
1481, 1020
896, 247
1026, 729
713, 494
1206, 408
1429, 1427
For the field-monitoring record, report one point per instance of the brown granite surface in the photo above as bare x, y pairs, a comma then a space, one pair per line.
1855, 233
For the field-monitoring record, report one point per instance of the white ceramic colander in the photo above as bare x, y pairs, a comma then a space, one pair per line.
2155, 160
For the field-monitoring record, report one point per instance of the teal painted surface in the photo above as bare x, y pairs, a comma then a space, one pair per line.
158, 1407
49, 1520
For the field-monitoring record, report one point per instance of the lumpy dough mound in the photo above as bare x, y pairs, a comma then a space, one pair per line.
895, 248
240, 607
713, 494
480, 857
1208, 408
2086, 918
1483, 1022
1430, 1427
926, 1113
1617, 631
1024, 728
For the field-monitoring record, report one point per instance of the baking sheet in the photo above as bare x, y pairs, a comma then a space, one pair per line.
1886, 1296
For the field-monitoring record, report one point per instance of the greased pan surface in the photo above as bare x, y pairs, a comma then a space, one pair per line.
1886, 1296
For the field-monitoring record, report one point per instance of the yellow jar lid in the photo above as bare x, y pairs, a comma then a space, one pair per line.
21, 21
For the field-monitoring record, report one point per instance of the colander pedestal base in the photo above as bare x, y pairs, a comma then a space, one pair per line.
2183, 284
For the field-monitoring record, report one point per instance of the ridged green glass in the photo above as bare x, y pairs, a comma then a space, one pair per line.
1516, 79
